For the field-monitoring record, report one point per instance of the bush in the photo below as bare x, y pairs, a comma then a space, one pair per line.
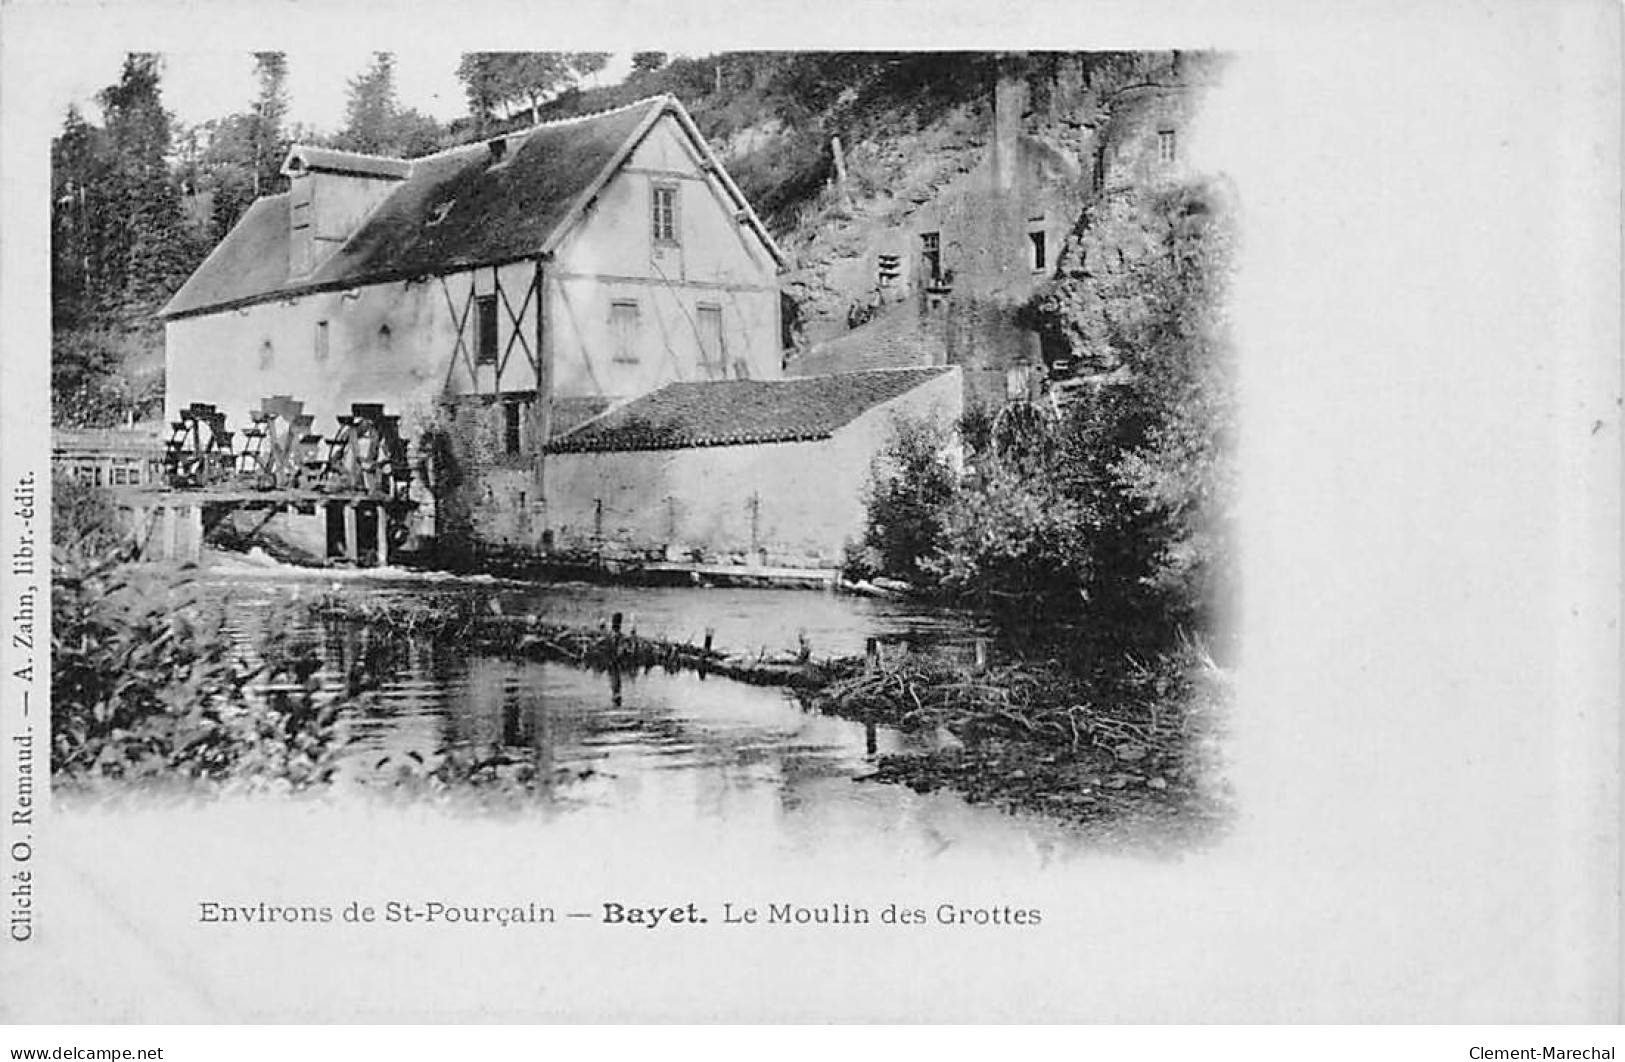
910, 486
84, 520
146, 685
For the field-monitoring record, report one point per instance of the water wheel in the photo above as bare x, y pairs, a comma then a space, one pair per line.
198, 452
367, 455
280, 448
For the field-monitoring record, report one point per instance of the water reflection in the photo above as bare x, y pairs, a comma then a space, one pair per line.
622, 739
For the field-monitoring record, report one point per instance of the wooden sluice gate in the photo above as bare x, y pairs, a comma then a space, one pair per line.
349, 489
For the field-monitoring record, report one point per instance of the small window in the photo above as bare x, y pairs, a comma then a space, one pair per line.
1099, 177
665, 213
1165, 146
931, 255
1036, 251
512, 418
623, 330
485, 320
266, 354
386, 340
321, 341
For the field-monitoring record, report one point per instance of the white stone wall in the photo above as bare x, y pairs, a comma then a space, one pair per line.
794, 504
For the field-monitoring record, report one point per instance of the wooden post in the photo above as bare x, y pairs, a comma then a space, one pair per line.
615, 623
869, 743
804, 652
171, 529
194, 533
871, 654
756, 527
351, 548
710, 633
981, 655
383, 536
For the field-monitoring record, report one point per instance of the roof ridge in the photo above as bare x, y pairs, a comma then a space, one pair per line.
303, 146
472, 145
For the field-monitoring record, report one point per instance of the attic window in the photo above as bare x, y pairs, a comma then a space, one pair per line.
663, 207
386, 340
1165, 146
321, 341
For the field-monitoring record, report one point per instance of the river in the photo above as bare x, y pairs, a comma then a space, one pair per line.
634, 743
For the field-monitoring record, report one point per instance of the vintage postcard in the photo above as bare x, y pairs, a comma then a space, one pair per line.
1083, 518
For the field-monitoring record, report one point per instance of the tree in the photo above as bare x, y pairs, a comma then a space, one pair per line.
268, 139
120, 248
370, 112
376, 124
507, 79
139, 221
647, 62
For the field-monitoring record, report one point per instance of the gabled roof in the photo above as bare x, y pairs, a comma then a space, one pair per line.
464, 207
736, 412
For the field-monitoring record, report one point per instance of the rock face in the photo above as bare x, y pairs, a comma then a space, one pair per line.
927, 248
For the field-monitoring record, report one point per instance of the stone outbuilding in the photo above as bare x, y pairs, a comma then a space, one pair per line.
745, 472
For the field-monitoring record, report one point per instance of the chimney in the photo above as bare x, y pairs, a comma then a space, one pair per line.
330, 195
1009, 103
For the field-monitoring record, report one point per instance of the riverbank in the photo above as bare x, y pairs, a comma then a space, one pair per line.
1019, 734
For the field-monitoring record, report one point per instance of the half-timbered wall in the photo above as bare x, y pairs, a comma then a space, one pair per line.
612, 268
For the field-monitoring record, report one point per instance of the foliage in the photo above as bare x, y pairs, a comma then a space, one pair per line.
647, 62
96, 381
1109, 523
84, 520
493, 80
146, 685
375, 123
911, 483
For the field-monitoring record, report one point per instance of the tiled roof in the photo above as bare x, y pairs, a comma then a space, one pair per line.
462, 207
568, 414
736, 412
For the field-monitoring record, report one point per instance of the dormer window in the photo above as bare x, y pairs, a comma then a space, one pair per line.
663, 210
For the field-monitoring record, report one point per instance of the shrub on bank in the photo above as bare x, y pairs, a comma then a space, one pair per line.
147, 686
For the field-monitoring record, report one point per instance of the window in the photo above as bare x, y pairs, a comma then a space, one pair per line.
623, 330
266, 354
713, 352
386, 340
321, 340
1099, 176
1036, 251
931, 255
485, 322
665, 213
512, 418
1165, 146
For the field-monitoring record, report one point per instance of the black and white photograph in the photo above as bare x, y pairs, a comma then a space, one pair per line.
1078, 524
